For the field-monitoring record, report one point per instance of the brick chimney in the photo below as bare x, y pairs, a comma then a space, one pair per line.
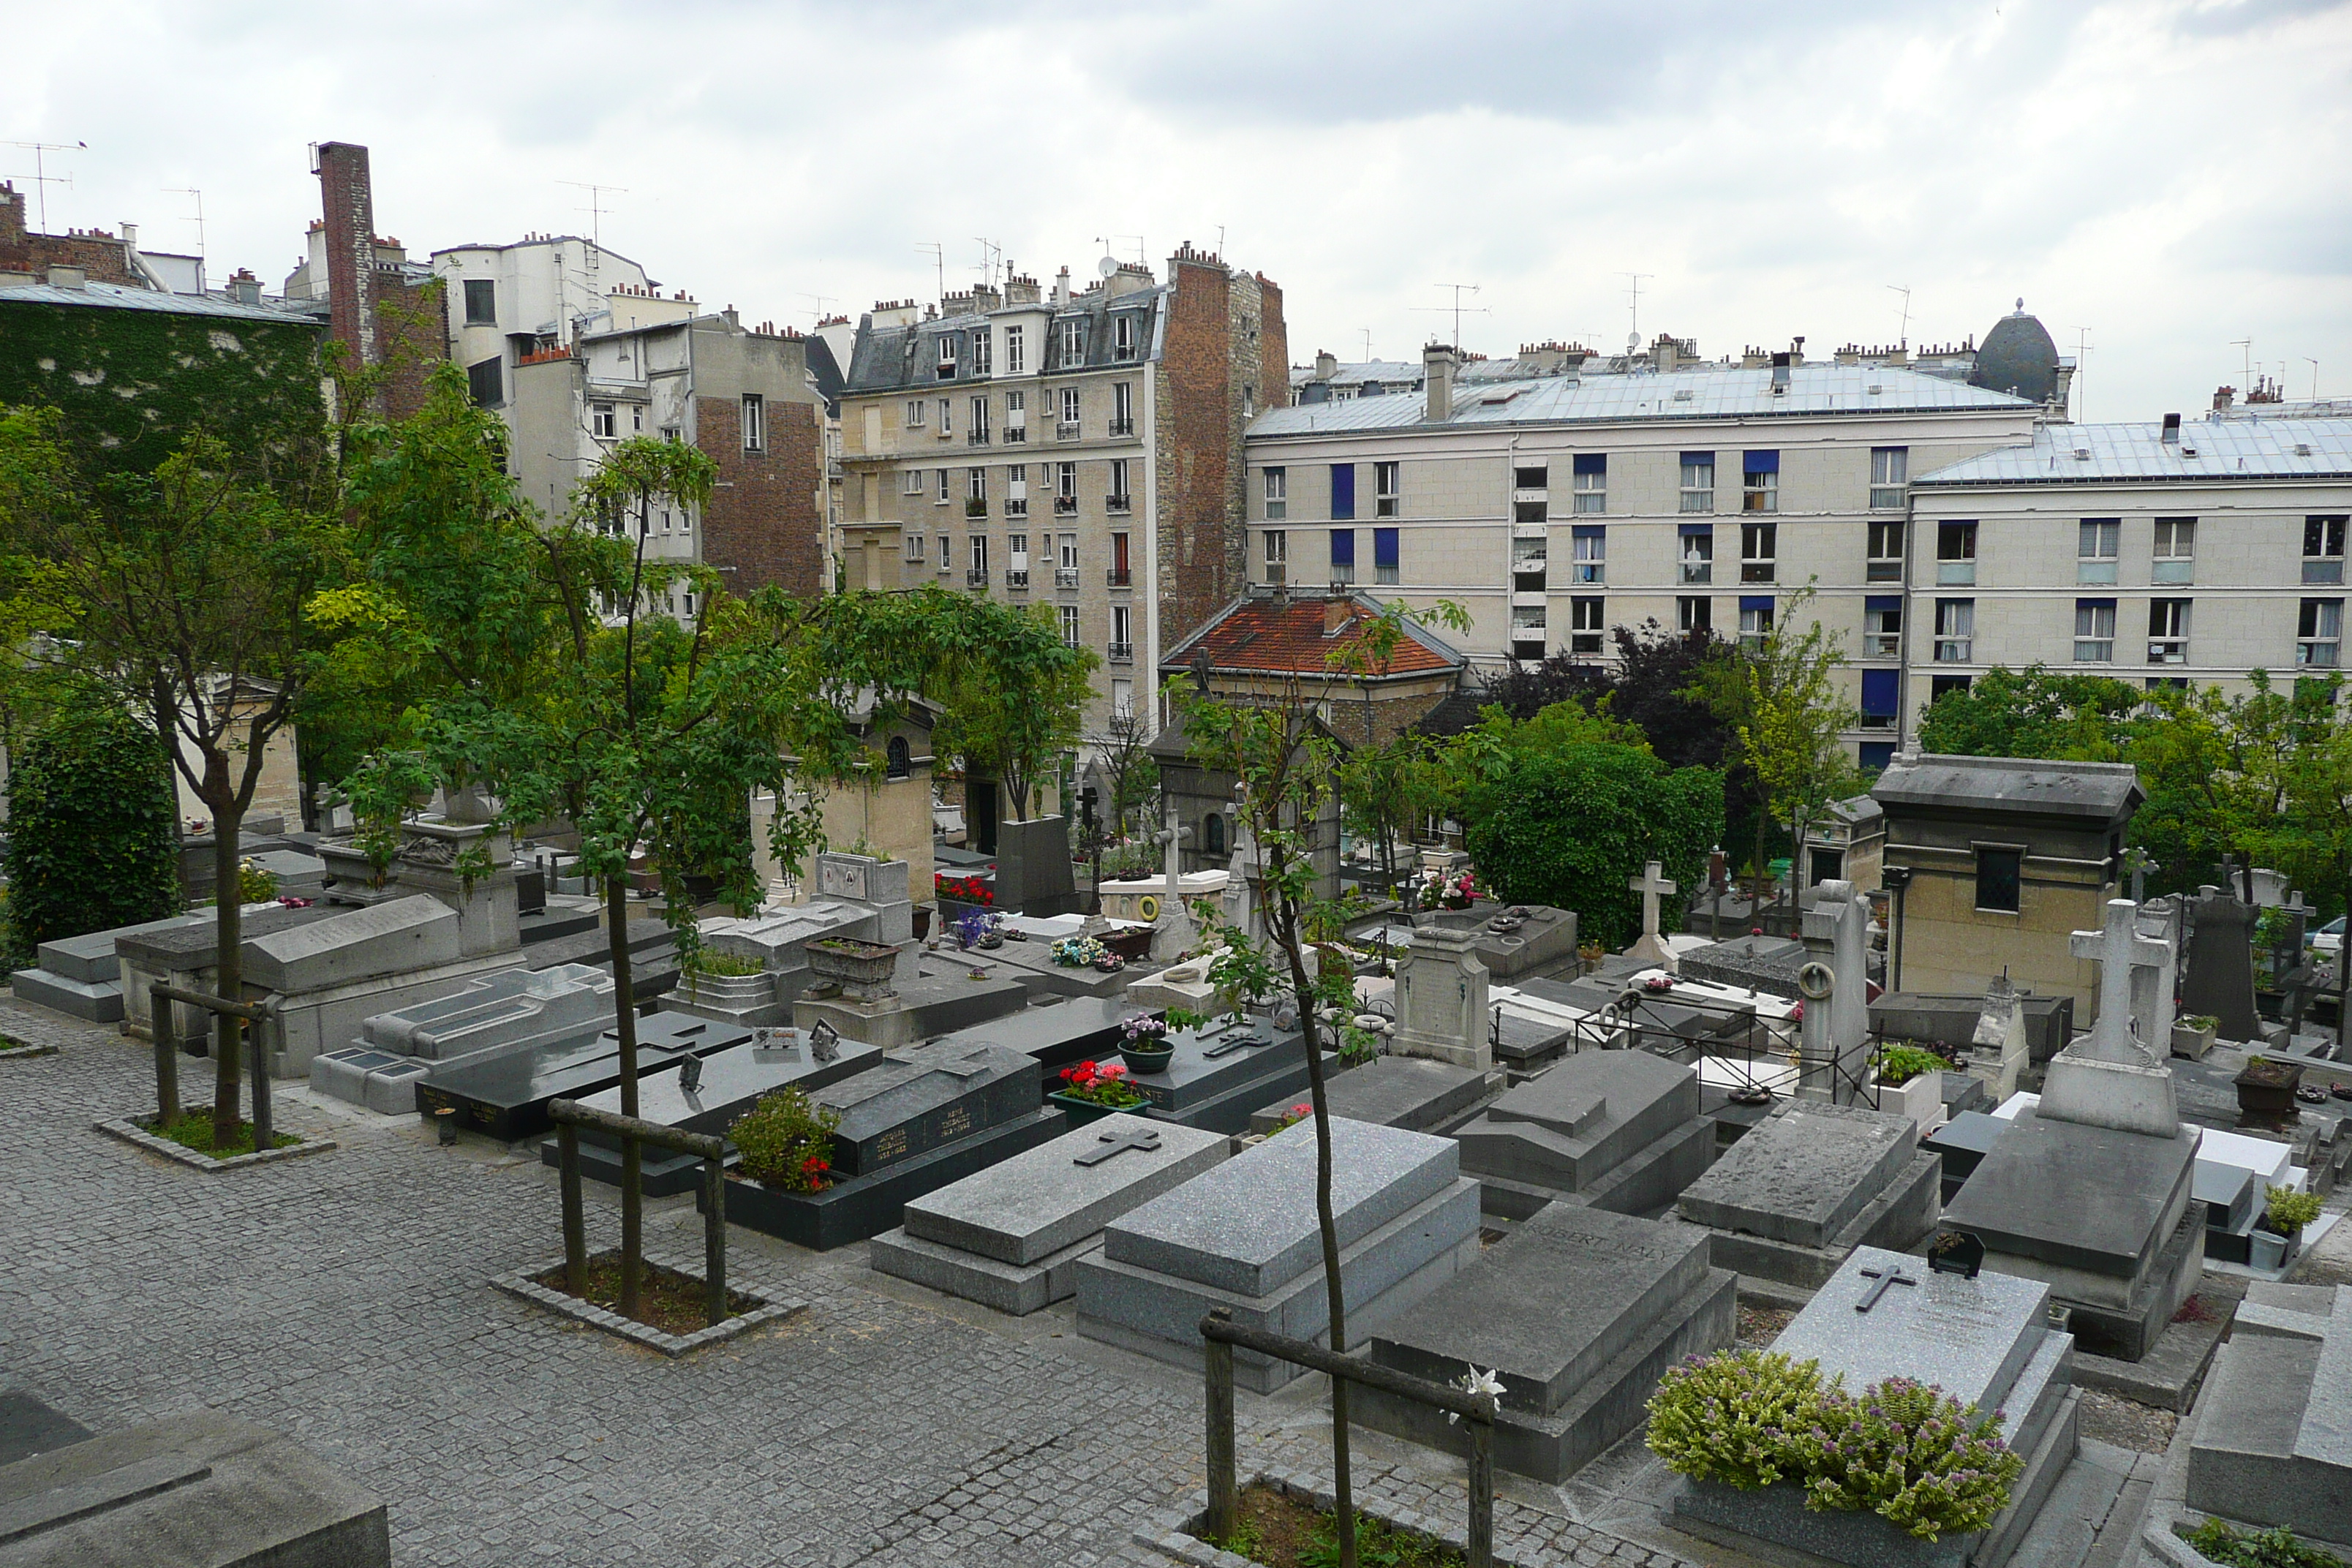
1438, 363
1338, 611
350, 206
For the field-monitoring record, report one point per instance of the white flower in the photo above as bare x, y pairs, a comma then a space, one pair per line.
1474, 1381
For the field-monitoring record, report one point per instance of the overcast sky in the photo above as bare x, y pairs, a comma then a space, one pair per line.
2172, 176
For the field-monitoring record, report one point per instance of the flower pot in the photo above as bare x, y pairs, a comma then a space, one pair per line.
2191, 1043
2270, 1248
1148, 1058
2267, 1088
862, 969
1081, 1111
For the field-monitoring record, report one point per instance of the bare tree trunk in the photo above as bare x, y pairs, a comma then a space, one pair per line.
624, 1018
2344, 969
228, 936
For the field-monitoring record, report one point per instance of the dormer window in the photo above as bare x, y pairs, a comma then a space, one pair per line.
1122, 337
947, 356
1073, 343
1013, 363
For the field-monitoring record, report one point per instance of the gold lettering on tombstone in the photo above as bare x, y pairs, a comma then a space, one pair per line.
955, 1121
891, 1144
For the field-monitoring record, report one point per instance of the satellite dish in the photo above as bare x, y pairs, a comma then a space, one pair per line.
1632, 342
1107, 266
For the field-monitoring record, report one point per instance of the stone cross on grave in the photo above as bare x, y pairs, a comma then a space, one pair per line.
1173, 933
1143, 1139
1892, 1275
2120, 949
1651, 884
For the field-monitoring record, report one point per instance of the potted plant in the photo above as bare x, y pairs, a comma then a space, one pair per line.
786, 1142
979, 927
862, 970
956, 895
1086, 952
1589, 956
1911, 1083
2279, 1232
2192, 1037
1092, 1090
2266, 1088
1458, 893
1144, 1045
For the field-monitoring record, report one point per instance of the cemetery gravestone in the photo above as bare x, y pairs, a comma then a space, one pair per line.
1522, 937
1984, 1340
1579, 1313
81, 977
1393, 1091
1811, 1182
2273, 1438
2221, 979
1834, 1060
921, 1118
513, 1010
1033, 874
1055, 1035
1651, 946
1441, 992
1223, 1070
1008, 1237
505, 1094
1755, 962
1610, 1130
1245, 1237
1174, 934
2000, 1030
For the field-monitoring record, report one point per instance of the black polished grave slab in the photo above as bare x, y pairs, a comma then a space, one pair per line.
1220, 1073
920, 1098
1962, 1144
1057, 1033
506, 1096
732, 1081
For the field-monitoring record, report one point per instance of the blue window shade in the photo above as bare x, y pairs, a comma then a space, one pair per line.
1875, 603
1343, 547
1384, 547
1762, 463
1706, 458
1877, 753
1588, 531
1701, 529
1755, 601
2094, 603
1592, 462
1878, 691
1343, 492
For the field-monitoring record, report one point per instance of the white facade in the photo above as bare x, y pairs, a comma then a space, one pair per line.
2188, 556
507, 303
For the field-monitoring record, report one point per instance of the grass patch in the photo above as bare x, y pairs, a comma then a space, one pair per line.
194, 1130
1278, 1531
667, 1300
2278, 1548
733, 965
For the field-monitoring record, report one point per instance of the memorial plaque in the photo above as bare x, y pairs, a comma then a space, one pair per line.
838, 879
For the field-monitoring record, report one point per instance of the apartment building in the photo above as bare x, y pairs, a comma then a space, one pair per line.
1077, 449
2172, 553
1561, 494
508, 302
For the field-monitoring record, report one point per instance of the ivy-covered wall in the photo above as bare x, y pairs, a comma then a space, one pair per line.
133, 383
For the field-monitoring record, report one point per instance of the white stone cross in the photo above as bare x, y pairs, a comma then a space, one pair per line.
2119, 948
1652, 947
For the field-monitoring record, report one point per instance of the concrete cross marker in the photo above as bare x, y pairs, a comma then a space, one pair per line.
1892, 1276
2119, 948
1144, 1140
1652, 885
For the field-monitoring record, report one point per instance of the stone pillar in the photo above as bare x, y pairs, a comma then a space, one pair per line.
437, 857
1440, 999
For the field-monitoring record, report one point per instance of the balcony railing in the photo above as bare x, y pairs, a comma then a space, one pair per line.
2318, 655
1956, 574
1066, 505
1015, 433
1879, 721
1118, 503
1698, 571
1065, 430
1884, 572
2167, 650
976, 578
975, 438
1122, 426
1119, 577
1017, 577
1277, 572
1953, 651
1017, 507
1066, 576
1122, 653
1757, 570
1882, 644
2172, 569
2320, 568
975, 506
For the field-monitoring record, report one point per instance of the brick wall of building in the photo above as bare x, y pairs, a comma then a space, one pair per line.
765, 519
411, 337
1196, 396
102, 257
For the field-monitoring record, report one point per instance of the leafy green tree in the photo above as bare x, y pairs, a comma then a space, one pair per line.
2033, 712
1387, 790
181, 595
92, 828
1014, 701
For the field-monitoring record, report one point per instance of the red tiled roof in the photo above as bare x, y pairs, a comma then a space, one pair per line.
1285, 636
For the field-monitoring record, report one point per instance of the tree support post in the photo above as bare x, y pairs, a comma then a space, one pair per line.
1225, 1493
167, 1056
575, 1223
714, 1237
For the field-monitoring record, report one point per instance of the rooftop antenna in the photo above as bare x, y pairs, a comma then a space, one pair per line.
2081, 353
1455, 309
821, 301
2314, 377
1221, 242
2247, 344
199, 219
1368, 344
1140, 260
991, 256
1633, 297
596, 207
1904, 340
42, 178
939, 260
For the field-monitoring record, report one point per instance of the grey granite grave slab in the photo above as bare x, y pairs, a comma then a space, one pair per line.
1006, 1237
943, 1000
1031, 962
1057, 1032
1219, 1074
1579, 1313
2227, 1192
1586, 1120
1961, 1145
81, 977
2085, 1198
1244, 1236
416, 932
187, 954
1418, 1095
380, 1080
92, 957
2274, 1437
505, 1094
1543, 935
920, 1097
99, 1001
1803, 1172
197, 1491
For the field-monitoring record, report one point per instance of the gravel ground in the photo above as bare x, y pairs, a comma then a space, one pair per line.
2126, 1423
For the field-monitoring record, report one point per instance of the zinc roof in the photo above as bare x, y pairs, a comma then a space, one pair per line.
1717, 391
114, 295
2207, 449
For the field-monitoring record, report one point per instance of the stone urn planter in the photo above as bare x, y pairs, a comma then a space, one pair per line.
1778, 1514
861, 969
2192, 1038
2270, 1249
2266, 1088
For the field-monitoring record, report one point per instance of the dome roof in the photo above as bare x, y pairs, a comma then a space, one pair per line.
2018, 356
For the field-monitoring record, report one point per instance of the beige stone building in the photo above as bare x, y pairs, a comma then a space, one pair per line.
2171, 553
1075, 448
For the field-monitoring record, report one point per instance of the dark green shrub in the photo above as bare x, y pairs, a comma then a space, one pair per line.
787, 1141
92, 840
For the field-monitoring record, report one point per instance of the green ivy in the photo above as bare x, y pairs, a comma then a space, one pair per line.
92, 835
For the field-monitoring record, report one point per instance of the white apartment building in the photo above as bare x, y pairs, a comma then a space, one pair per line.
2170, 553
508, 303
1558, 495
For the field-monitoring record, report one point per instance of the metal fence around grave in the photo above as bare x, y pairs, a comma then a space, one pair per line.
1477, 1412
1745, 1045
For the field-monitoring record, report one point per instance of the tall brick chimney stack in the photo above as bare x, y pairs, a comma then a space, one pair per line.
350, 198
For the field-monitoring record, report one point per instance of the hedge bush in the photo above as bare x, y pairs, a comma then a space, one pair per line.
93, 836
